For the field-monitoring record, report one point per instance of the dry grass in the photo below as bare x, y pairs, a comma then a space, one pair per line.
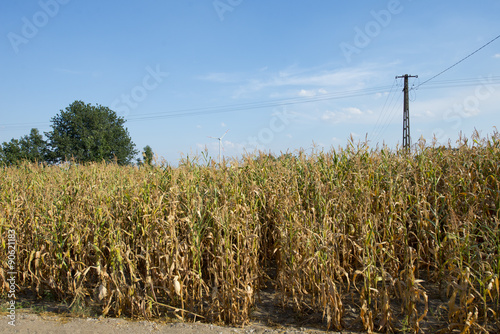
369, 228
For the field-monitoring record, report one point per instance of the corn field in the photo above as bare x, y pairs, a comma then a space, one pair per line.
395, 237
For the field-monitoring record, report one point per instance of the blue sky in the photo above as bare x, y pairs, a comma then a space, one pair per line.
280, 75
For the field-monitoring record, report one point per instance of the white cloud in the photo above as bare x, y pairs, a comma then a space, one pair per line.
223, 124
379, 95
311, 80
229, 148
497, 56
348, 114
469, 112
423, 114
328, 116
325, 78
220, 77
353, 111
463, 103
312, 92
228, 144
307, 93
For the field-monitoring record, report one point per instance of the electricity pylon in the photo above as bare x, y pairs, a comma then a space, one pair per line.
406, 111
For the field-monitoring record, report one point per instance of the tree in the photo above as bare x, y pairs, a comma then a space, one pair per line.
148, 155
89, 133
31, 148
10, 152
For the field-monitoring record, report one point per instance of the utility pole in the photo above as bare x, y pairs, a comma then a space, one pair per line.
406, 110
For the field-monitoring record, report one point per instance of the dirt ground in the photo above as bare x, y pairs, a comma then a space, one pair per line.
36, 317
29, 323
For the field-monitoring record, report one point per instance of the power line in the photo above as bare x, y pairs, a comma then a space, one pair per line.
12, 126
385, 103
458, 62
294, 101
392, 114
387, 119
494, 80
231, 107
391, 95
257, 105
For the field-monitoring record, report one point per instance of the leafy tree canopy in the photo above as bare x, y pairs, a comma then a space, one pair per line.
89, 133
148, 155
31, 147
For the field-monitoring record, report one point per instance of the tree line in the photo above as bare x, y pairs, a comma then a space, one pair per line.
82, 133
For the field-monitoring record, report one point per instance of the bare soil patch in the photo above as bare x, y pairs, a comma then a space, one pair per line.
268, 316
